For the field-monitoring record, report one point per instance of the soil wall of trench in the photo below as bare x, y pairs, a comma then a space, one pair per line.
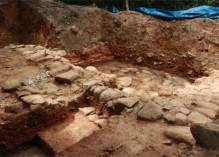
89, 34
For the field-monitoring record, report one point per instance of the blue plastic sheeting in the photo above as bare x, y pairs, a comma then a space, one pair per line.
197, 12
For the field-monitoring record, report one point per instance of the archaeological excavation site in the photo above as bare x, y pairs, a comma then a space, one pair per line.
81, 81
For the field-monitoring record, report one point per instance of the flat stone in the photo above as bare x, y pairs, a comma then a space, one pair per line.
181, 119
11, 85
124, 81
93, 117
33, 99
206, 135
184, 110
110, 94
150, 111
127, 102
14, 108
180, 134
196, 117
60, 69
67, 77
207, 112
87, 110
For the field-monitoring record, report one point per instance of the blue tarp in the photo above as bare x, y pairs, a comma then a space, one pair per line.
197, 12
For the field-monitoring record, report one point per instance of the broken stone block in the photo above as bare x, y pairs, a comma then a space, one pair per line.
58, 70
11, 85
67, 77
33, 99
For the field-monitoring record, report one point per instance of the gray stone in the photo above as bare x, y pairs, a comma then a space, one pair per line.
206, 135
180, 134
127, 102
33, 99
181, 119
11, 85
14, 108
150, 111
110, 94
60, 69
67, 77
87, 110
196, 117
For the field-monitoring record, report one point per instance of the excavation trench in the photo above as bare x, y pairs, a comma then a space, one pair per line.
112, 52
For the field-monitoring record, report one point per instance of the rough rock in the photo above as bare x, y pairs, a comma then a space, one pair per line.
127, 102
196, 117
180, 134
33, 99
91, 69
14, 108
206, 135
181, 119
67, 77
150, 111
124, 81
92, 83
60, 69
35, 57
49, 88
87, 110
11, 85
110, 94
